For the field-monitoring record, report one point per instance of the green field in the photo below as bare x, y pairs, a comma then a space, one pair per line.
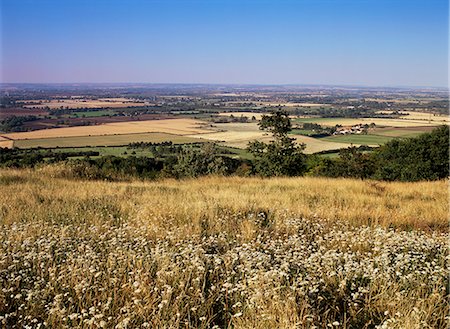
105, 140
91, 114
380, 136
359, 139
125, 151
122, 151
304, 132
237, 152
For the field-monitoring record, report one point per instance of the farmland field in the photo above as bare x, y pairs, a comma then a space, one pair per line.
122, 151
371, 140
78, 103
379, 136
404, 132
89, 114
171, 126
314, 145
105, 140
412, 115
355, 121
240, 134
248, 115
224, 252
292, 104
6, 143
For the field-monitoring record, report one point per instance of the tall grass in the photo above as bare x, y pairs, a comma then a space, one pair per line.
222, 252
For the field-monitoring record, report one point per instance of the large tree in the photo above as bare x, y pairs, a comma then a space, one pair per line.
282, 156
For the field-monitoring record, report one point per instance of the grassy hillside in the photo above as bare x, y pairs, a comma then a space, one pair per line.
239, 252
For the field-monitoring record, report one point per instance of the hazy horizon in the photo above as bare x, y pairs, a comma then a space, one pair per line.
317, 43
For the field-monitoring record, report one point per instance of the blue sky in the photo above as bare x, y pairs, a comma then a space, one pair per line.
350, 42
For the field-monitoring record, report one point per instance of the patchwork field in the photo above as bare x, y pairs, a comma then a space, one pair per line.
78, 103
240, 134
111, 131
104, 140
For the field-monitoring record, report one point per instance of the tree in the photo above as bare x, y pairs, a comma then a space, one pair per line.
204, 161
282, 156
425, 157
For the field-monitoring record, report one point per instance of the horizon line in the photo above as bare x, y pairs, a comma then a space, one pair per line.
230, 84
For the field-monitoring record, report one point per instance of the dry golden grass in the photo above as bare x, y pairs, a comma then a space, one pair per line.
221, 252
421, 205
170, 126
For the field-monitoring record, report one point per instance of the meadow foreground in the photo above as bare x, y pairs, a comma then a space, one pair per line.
221, 252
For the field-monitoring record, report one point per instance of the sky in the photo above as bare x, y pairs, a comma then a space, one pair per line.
335, 42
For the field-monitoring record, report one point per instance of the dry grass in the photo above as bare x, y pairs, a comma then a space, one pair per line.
170, 126
223, 252
421, 205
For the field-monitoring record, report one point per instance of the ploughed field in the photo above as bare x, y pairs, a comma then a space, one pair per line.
221, 252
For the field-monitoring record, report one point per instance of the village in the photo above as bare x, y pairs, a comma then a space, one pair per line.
355, 129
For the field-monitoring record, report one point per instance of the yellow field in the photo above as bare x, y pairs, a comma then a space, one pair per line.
6, 143
424, 116
220, 252
239, 139
104, 140
171, 126
314, 145
439, 119
379, 122
77, 103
